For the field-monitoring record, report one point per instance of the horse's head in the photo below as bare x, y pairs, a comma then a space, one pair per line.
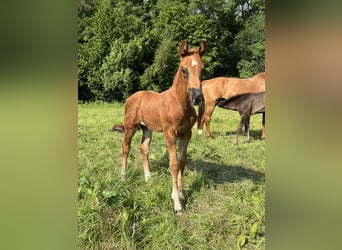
191, 67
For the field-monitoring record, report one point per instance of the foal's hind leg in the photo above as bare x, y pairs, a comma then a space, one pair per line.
263, 135
145, 150
126, 147
247, 129
242, 122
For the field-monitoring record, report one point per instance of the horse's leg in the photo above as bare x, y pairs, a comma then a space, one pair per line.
263, 135
247, 129
182, 148
145, 149
200, 118
126, 147
246, 126
243, 118
170, 138
209, 109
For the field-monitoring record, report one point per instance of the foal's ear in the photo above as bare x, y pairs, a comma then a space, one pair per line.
202, 48
183, 49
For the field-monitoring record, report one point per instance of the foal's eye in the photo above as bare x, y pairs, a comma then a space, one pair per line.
185, 73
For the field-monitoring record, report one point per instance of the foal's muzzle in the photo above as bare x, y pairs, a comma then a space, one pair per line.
196, 96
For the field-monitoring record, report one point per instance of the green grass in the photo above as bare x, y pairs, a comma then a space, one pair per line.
224, 187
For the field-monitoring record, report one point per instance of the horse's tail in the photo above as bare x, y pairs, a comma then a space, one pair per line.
118, 128
201, 109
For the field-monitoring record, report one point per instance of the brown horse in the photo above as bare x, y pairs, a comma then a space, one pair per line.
170, 112
224, 87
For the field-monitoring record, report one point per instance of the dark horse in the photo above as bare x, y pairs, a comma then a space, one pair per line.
225, 87
170, 112
247, 105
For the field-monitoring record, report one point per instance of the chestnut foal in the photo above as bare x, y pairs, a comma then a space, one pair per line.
170, 112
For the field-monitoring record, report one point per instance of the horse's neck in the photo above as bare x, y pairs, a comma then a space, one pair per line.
179, 89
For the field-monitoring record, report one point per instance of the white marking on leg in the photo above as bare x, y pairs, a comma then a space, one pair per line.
123, 173
175, 197
200, 131
194, 62
148, 176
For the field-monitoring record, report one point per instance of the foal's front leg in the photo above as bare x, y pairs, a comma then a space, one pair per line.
200, 118
209, 109
182, 148
170, 138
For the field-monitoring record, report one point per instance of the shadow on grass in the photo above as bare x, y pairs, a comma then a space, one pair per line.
207, 172
216, 172
221, 173
253, 134
211, 173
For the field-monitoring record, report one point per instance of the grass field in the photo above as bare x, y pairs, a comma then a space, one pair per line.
224, 187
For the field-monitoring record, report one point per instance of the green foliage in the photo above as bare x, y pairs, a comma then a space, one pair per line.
224, 187
159, 75
250, 43
119, 70
126, 46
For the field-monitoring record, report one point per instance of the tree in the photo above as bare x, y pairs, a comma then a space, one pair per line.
109, 58
95, 44
249, 43
131, 45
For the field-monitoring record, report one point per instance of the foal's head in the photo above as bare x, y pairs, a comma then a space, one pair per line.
192, 66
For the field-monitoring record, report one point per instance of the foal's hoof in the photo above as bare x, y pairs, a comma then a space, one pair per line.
148, 178
123, 175
179, 212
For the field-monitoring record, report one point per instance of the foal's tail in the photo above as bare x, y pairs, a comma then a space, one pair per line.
118, 128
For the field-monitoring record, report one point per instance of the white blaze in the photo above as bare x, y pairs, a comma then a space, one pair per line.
194, 62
